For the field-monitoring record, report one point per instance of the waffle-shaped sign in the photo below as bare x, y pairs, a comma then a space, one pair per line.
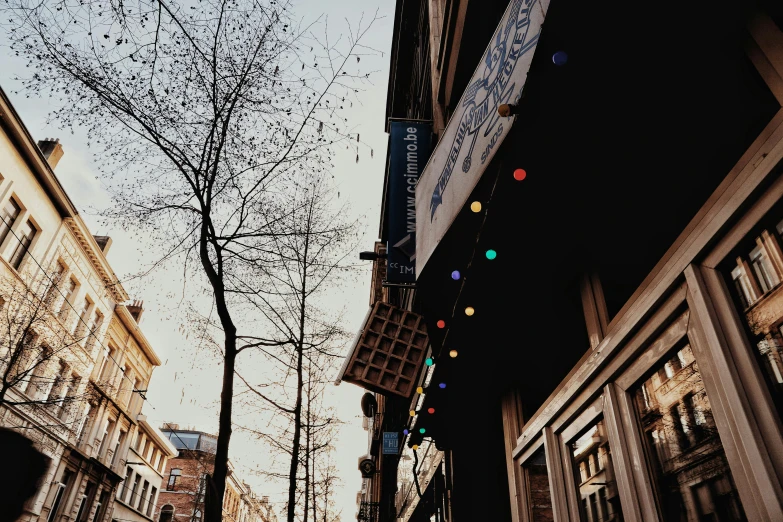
388, 354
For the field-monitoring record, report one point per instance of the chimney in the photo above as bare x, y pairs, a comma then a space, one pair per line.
136, 308
169, 426
52, 151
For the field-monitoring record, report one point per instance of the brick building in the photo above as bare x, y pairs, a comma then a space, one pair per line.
184, 487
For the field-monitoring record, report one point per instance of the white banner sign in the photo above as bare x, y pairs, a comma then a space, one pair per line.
475, 130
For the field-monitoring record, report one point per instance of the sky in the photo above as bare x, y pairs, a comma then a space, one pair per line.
184, 390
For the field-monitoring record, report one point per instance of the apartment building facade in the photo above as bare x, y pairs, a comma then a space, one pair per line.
73, 358
597, 262
145, 465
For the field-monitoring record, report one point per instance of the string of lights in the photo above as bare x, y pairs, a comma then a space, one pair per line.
559, 58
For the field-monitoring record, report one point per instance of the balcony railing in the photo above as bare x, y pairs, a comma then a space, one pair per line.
368, 512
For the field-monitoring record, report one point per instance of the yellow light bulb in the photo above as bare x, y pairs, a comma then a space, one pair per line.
415, 447
419, 390
453, 353
413, 413
469, 311
475, 206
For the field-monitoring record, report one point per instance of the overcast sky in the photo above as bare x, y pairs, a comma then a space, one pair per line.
183, 390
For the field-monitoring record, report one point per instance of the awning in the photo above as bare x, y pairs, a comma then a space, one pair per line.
475, 129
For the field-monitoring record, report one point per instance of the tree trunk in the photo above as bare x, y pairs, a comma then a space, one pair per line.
308, 445
213, 508
299, 378
297, 434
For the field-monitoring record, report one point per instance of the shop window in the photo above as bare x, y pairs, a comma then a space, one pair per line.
755, 269
537, 487
599, 497
684, 451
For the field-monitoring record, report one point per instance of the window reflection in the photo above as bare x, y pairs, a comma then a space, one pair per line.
537, 477
599, 498
693, 480
754, 271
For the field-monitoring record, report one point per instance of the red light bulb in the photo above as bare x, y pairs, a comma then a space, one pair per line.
441, 324
520, 174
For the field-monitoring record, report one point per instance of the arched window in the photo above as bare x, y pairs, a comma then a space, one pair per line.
166, 513
174, 479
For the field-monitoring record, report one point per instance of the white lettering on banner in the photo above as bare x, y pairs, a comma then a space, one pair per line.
453, 170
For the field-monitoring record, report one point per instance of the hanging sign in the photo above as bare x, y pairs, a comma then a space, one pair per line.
409, 149
475, 129
391, 443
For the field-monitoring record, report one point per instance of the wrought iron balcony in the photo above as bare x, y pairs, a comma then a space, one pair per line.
368, 512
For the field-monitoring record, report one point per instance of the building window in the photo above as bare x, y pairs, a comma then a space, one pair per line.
107, 365
762, 267
100, 508
125, 484
69, 388
70, 291
120, 441
83, 424
95, 325
81, 317
742, 287
151, 503
26, 234
84, 505
683, 447
536, 477
8, 215
592, 449
143, 496
105, 438
58, 495
173, 479
37, 377
764, 318
134, 490
50, 297
166, 513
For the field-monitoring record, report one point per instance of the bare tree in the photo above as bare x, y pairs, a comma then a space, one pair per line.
202, 114
303, 335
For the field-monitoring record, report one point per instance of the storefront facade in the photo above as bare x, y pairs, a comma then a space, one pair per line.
602, 295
